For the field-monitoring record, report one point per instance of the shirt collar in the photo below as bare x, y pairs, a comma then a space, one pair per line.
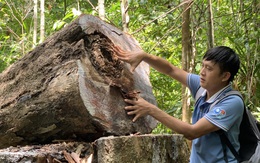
216, 95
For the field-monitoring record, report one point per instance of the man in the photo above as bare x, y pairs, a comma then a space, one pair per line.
219, 66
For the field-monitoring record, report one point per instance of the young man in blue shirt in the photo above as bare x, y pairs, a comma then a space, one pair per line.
219, 66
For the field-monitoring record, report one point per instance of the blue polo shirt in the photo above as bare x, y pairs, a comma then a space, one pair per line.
227, 115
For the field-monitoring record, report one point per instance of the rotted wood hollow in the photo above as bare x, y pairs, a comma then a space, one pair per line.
72, 87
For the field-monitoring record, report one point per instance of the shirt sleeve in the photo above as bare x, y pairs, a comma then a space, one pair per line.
193, 84
226, 113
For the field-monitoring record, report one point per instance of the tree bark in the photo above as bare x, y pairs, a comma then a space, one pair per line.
101, 9
210, 26
42, 23
35, 22
142, 149
124, 13
186, 58
72, 87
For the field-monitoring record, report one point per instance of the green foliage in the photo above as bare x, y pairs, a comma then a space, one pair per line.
69, 16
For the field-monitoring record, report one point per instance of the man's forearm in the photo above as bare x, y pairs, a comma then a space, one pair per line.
158, 63
166, 67
173, 123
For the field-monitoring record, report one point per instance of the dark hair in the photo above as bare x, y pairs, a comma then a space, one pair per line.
226, 58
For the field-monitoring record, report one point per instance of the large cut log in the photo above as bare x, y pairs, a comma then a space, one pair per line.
112, 149
72, 87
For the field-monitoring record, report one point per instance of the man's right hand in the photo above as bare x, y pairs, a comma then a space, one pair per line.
134, 58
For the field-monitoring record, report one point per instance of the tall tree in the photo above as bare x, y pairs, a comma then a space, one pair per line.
42, 24
125, 16
35, 24
251, 48
101, 9
186, 55
210, 26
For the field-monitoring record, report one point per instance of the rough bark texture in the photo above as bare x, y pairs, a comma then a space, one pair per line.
143, 149
122, 149
71, 87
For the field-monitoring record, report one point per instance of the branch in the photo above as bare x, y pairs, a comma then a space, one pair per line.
161, 16
94, 8
171, 29
13, 13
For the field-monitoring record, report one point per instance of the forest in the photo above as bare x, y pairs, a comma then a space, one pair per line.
179, 31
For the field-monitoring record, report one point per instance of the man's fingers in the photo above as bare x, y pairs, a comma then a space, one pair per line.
126, 56
130, 112
118, 50
135, 118
129, 108
133, 67
121, 56
130, 102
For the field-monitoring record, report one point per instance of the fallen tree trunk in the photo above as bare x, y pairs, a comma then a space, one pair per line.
71, 87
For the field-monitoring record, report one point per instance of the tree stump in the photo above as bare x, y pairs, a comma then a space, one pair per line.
149, 148
72, 87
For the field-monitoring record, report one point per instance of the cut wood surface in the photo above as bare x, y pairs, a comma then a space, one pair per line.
72, 87
149, 148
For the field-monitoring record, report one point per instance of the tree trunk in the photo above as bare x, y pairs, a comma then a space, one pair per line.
124, 13
186, 55
72, 87
42, 24
186, 58
101, 9
35, 22
210, 25
142, 149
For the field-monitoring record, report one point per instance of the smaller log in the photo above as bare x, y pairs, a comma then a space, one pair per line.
147, 148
